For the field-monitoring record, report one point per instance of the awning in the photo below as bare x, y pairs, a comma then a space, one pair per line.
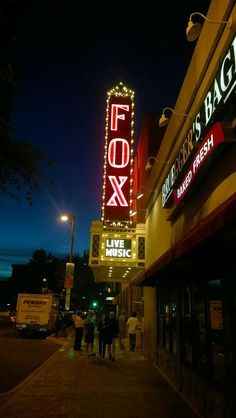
218, 219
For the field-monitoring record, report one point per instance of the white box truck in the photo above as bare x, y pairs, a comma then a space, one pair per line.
37, 313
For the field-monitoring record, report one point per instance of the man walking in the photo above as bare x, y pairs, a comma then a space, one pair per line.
132, 325
79, 330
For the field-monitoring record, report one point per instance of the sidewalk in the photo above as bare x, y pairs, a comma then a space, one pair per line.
72, 385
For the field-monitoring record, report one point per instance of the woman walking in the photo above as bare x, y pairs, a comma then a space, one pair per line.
102, 335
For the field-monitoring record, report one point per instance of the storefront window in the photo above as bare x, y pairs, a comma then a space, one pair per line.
164, 322
167, 324
200, 346
216, 330
173, 320
203, 328
188, 324
195, 344
167, 319
195, 349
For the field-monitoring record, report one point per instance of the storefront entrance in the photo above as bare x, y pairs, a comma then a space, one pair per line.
196, 316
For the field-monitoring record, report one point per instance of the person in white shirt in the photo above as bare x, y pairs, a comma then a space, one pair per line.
132, 325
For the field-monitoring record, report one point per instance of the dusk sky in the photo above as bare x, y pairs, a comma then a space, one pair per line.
69, 53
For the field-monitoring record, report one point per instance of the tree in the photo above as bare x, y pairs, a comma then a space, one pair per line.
49, 268
41, 257
85, 289
19, 167
19, 160
29, 278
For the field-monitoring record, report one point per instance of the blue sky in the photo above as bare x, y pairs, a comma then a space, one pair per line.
68, 55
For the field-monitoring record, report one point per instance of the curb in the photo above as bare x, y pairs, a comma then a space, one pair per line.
62, 344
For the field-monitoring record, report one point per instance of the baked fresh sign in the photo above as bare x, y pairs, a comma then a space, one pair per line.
224, 84
214, 137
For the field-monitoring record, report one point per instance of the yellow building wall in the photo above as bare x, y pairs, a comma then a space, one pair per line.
149, 345
218, 184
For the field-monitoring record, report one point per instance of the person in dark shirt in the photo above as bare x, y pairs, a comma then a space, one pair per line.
89, 333
79, 329
103, 329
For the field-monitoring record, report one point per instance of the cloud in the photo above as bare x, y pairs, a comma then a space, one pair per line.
12, 256
17, 256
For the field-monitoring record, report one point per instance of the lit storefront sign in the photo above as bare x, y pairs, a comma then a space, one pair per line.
118, 157
221, 89
118, 248
214, 138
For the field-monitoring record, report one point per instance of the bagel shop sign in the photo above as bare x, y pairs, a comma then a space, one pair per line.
222, 88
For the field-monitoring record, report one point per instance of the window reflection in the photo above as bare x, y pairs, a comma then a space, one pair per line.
188, 325
216, 330
203, 328
167, 319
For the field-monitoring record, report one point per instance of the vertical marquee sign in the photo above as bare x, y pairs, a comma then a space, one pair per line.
118, 156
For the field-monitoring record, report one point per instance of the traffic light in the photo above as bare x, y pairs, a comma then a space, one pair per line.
94, 304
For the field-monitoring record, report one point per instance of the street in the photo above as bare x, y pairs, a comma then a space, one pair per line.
21, 356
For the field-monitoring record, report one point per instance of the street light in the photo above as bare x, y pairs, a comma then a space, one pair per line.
65, 218
44, 286
69, 276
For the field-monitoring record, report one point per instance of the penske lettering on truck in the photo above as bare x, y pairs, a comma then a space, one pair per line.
34, 302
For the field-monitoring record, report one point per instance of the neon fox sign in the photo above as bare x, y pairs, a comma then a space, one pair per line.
118, 158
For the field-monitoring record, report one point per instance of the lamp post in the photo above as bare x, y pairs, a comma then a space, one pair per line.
69, 274
44, 286
65, 218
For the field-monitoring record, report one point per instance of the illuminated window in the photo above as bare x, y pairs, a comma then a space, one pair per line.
141, 248
95, 246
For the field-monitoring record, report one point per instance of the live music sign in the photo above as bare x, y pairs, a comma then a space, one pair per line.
118, 158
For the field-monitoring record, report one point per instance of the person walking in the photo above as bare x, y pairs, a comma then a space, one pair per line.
113, 331
79, 330
122, 330
132, 325
61, 325
102, 335
59, 320
89, 323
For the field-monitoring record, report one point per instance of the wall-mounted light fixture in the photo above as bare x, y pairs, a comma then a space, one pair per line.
149, 165
142, 191
139, 195
134, 212
163, 121
193, 29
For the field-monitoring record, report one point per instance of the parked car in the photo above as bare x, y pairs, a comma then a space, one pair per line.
12, 317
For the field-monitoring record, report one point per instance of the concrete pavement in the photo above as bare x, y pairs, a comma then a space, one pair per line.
72, 385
